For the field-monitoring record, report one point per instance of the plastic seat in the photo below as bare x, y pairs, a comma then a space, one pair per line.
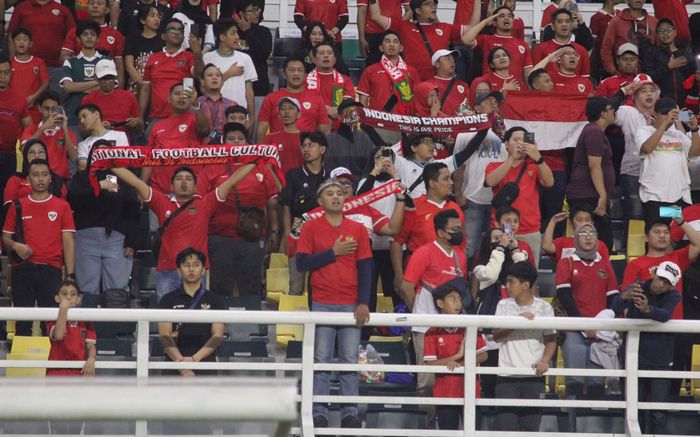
385, 304
619, 263
277, 283
695, 366
601, 420
241, 349
278, 261
241, 332
546, 283
28, 348
635, 239
286, 332
115, 349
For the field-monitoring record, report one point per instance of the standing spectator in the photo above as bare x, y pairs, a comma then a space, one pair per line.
536, 174
675, 12
454, 100
628, 66
499, 77
90, 118
314, 34
313, 109
256, 41
332, 85
141, 44
196, 22
47, 246
19, 185
664, 148
237, 67
522, 348
371, 35
547, 14
236, 257
333, 14
212, 103
131, 17
288, 140
299, 197
564, 247
575, 27
632, 25
599, 25
349, 146
119, 108
29, 74
106, 235
564, 62
592, 180
337, 252
562, 23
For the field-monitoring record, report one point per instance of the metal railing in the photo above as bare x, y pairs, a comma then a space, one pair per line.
309, 320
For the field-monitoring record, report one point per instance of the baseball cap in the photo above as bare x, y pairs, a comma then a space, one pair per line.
105, 67
346, 103
664, 105
291, 100
342, 172
644, 79
627, 47
442, 52
480, 97
669, 270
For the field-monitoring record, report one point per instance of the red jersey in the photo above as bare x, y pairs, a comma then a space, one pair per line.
418, 228
18, 187
609, 86
591, 283
519, 51
528, 201
175, 131
369, 217
642, 267
313, 110
49, 24
288, 148
55, 143
334, 283
496, 82
431, 265
524, 246
327, 12
188, 229
162, 71
564, 248
573, 84
547, 15
44, 223
376, 84
254, 191
440, 35
328, 83
458, 99
27, 77
443, 343
13, 108
109, 43
599, 22
72, 347
392, 9
117, 107
544, 49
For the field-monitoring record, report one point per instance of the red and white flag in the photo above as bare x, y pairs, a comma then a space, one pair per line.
556, 119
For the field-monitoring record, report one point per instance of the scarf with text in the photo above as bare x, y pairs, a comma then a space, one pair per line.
313, 82
398, 74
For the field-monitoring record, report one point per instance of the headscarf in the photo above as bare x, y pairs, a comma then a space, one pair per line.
586, 255
421, 93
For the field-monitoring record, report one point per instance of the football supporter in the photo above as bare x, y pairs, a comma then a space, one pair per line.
547, 14
563, 247
238, 114
633, 24
288, 140
508, 220
675, 12
19, 186
256, 41
350, 145
540, 80
212, 103
564, 62
90, 119
44, 246
332, 85
499, 77
313, 109
141, 44
332, 13
336, 251
196, 21
599, 24
628, 66
371, 35
452, 92
576, 28
562, 23
29, 74
131, 19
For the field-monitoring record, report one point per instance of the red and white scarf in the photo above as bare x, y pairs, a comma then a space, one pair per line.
313, 83
398, 74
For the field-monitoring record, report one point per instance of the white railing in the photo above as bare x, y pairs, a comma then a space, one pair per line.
309, 320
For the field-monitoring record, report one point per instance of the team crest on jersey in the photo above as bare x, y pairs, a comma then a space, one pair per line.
581, 87
521, 49
306, 105
438, 31
441, 341
602, 274
259, 176
530, 173
460, 88
181, 63
89, 70
182, 128
192, 210
53, 215
110, 39
56, 12
35, 70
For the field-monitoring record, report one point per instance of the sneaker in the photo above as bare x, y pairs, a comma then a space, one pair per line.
320, 422
351, 422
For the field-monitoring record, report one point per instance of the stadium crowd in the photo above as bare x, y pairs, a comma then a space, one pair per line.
447, 222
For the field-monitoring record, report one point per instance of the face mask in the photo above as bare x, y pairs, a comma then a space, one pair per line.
351, 118
456, 238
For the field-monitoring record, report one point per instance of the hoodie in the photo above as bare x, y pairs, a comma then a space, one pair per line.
625, 28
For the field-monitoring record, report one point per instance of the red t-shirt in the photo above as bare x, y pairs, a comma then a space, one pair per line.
254, 191
583, 68
519, 51
313, 110
72, 347
55, 143
369, 217
392, 9
524, 246
591, 283
49, 25
13, 108
376, 84
44, 222
564, 248
18, 187
176, 131
496, 82
327, 12
416, 54
418, 228
27, 77
547, 15
110, 41
528, 201
458, 97
641, 268
573, 84
334, 283
188, 229
162, 71
599, 22
288, 148
609, 86
117, 107
326, 84
443, 343
430, 264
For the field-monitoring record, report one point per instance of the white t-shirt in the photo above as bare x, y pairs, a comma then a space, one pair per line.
491, 150
386, 207
664, 175
111, 135
410, 170
524, 347
630, 120
208, 35
234, 87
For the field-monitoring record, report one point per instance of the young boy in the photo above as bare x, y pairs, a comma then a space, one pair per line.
445, 347
30, 77
508, 219
563, 247
71, 341
654, 299
522, 348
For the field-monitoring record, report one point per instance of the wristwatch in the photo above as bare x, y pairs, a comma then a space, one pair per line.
540, 161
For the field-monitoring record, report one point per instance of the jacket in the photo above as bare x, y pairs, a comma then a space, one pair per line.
625, 28
655, 64
675, 11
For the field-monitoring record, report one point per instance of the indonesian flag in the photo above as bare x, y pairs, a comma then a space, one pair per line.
556, 119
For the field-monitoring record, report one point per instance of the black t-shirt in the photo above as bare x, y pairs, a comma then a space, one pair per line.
128, 17
256, 42
299, 192
141, 48
192, 336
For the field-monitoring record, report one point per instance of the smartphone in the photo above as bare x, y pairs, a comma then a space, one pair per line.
529, 138
573, 7
57, 110
196, 30
508, 229
670, 211
113, 179
188, 82
112, 143
386, 152
685, 116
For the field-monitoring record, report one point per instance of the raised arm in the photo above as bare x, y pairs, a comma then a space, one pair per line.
470, 35
548, 236
223, 190
140, 186
376, 15
495, 177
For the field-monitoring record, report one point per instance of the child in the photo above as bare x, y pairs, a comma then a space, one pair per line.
563, 247
445, 347
71, 341
508, 219
522, 348
655, 299
30, 76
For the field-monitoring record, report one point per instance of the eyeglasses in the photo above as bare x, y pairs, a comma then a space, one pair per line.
174, 30
191, 266
588, 234
665, 30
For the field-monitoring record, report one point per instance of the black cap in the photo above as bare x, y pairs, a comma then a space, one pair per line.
456, 284
347, 103
480, 97
664, 105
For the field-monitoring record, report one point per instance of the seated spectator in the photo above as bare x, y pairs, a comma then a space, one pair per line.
256, 41
141, 44
499, 77
564, 247
93, 129
333, 15
196, 22
427, 100
212, 103
333, 85
577, 36
288, 140
563, 74
586, 285
350, 145
371, 36
30, 77
453, 93
314, 34
19, 186
633, 24
540, 80
533, 348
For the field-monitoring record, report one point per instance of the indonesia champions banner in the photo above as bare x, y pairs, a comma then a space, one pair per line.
413, 124
556, 119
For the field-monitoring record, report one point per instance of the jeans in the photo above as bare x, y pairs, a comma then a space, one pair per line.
476, 221
519, 418
654, 390
100, 260
552, 201
448, 416
629, 195
577, 355
169, 280
34, 283
348, 347
235, 261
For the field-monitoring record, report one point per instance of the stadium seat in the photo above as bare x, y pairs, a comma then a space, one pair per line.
395, 416
546, 283
241, 349
385, 304
277, 283
278, 261
635, 239
28, 348
601, 420
241, 332
385, 339
115, 349
683, 422
286, 332
619, 262
695, 367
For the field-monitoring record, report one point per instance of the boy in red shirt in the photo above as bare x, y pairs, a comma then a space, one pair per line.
71, 341
445, 347
30, 77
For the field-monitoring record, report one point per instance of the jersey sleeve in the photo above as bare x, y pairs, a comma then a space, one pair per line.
456, 33
348, 88
378, 219
527, 58
10, 225
265, 113
147, 70
67, 223
69, 42
43, 71
481, 344
119, 46
249, 72
415, 268
562, 276
305, 243
430, 345
342, 7
406, 227
611, 287
90, 334
300, 7
363, 85
558, 246
631, 274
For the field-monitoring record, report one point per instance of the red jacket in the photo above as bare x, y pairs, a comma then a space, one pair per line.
675, 11
624, 28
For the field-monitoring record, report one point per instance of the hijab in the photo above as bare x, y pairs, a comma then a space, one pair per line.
422, 92
586, 255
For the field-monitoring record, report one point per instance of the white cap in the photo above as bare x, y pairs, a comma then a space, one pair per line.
339, 172
291, 100
105, 67
442, 52
627, 47
670, 271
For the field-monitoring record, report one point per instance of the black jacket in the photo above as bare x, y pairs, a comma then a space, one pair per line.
655, 64
258, 45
